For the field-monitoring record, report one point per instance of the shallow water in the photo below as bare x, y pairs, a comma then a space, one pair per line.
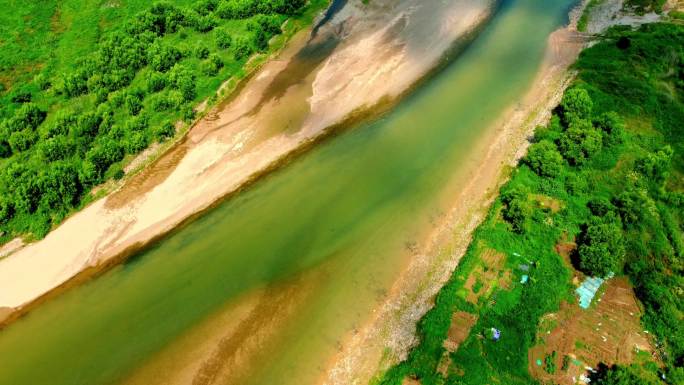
334, 226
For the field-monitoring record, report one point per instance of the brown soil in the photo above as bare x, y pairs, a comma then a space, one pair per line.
410, 381
609, 332
489, 275
461, 323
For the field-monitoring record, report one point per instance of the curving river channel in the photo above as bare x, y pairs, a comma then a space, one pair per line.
263, 288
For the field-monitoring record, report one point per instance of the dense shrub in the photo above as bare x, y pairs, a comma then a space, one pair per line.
544, 159
109, 100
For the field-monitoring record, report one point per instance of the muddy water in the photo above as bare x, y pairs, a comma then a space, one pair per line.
262, 289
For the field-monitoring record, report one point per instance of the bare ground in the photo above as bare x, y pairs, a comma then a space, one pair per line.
609, 332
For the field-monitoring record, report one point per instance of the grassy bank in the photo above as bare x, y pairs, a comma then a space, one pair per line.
86, 86
606, 176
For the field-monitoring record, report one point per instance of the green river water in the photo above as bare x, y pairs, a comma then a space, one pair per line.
343, 213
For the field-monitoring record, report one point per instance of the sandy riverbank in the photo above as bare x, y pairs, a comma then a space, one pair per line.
390, 333
387, 338
314, 84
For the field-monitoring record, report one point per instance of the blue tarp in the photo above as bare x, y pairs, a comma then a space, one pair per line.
587, 291
524, 279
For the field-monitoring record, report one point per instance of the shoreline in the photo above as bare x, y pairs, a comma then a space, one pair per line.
202, 134
388, 336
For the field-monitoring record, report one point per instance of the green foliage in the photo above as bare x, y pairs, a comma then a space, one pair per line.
517, 209
601, 250
626, 375
576, 105
223, 39
156, 82
580, 142
642, 6
550, 363
620, 130
584, 19
242, 48
86, 86
544, 159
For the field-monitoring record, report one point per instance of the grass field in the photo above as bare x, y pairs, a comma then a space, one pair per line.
606, 175
53, 34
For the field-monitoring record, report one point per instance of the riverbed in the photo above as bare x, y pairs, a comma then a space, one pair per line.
264, 288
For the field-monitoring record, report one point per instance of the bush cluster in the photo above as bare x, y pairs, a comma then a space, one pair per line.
117, 100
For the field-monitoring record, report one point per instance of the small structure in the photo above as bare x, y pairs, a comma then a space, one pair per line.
496, 334
524, 279
587, 290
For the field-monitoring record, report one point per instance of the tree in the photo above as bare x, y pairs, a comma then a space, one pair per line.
156, 82
223, 39
212, 65
87, 125
183, 80
54, 148
601, 249
60, 125
576, 104
133, 102
60, 185
626, 375
102, 155
162, 57
135, 142
6, 210
29, 117
242, 48
260, 38
201, 51
612, 126
656, 166
580, 142
22, 140
164, 131
544, 159
205, 7
269, 23
516, 208
75, 83
206, 23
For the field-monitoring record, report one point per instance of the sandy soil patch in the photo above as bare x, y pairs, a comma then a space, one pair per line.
461, 323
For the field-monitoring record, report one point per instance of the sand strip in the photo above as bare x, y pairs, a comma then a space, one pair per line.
273, 119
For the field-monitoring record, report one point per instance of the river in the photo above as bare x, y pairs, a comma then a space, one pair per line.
284, 270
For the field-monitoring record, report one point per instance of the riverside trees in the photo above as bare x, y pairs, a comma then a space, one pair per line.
617, 191
66, 131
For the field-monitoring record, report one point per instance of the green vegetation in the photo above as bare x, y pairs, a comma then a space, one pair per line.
627, 375
584, 19
85, 86
643, 6
621, 181
550, 363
